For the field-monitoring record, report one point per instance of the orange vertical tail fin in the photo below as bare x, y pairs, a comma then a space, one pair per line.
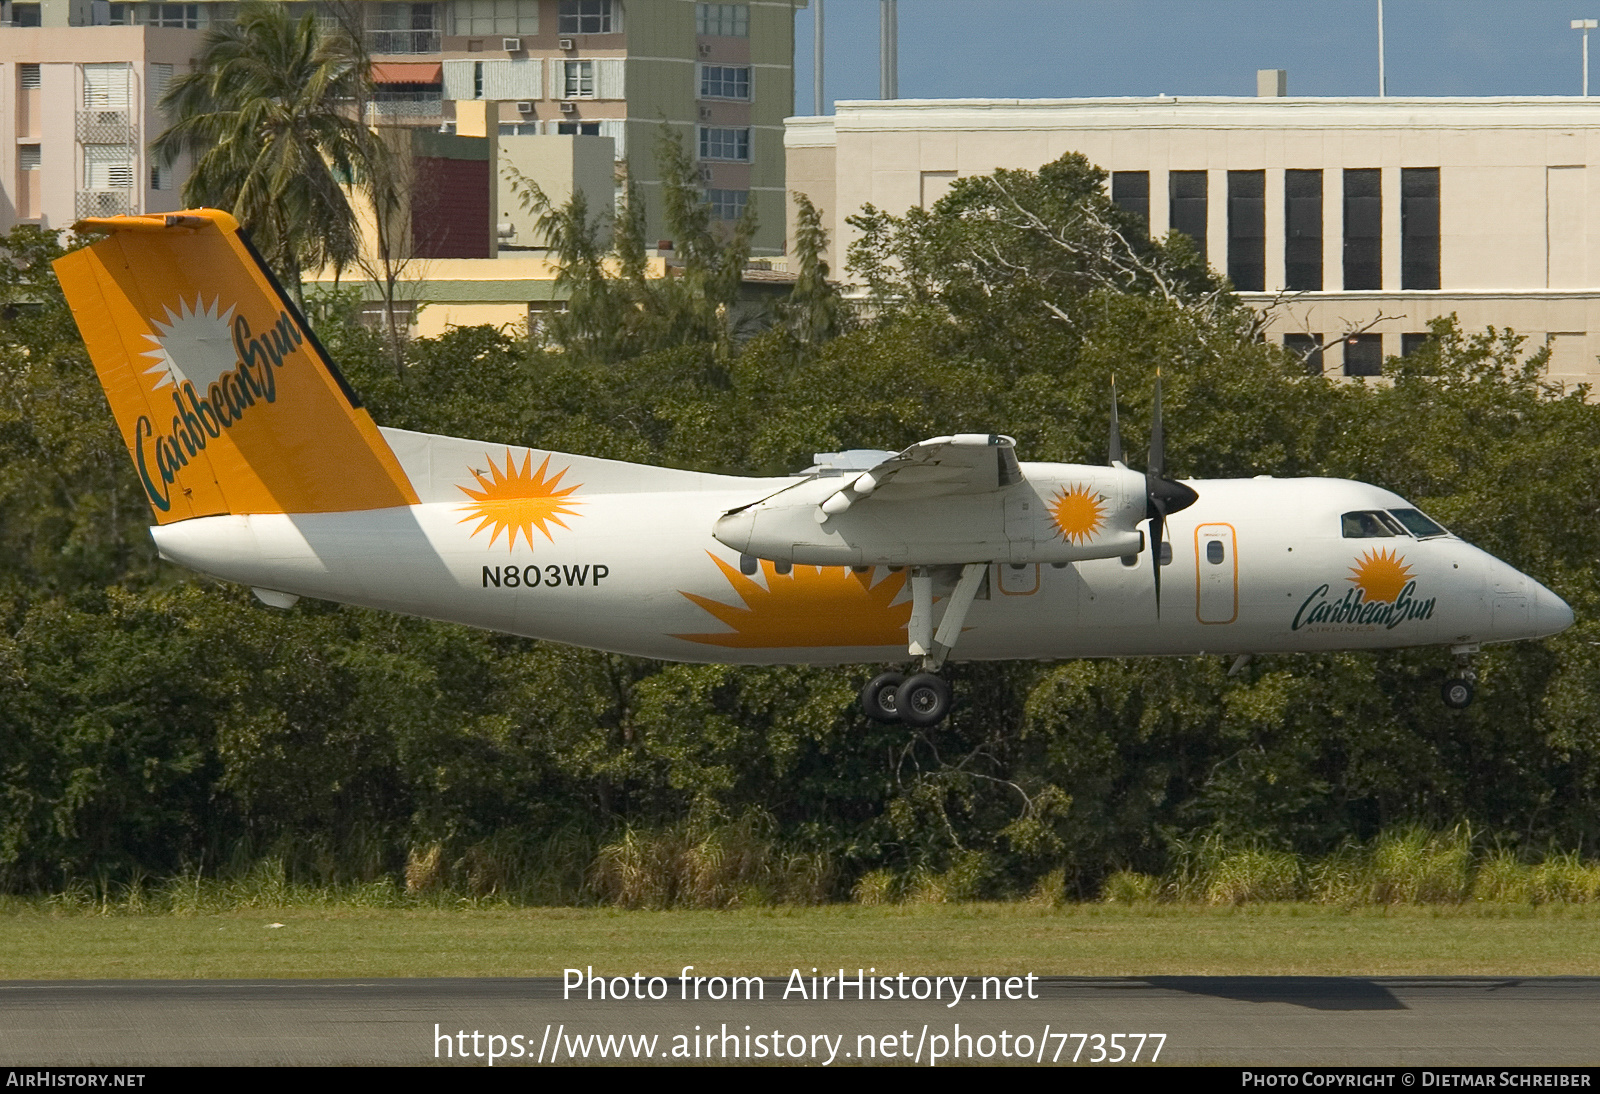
226, 399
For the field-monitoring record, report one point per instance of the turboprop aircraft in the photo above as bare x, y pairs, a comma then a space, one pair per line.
262, 468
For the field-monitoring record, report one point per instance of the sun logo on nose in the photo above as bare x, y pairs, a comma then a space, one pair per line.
518, 500
1078, 512
1381, 574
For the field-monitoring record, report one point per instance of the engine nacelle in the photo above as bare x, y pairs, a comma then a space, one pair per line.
1057, 513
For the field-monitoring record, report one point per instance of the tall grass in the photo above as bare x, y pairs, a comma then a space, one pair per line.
707, 863
1408, 865
698, 864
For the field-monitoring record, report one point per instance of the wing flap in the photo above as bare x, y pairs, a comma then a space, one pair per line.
967, 463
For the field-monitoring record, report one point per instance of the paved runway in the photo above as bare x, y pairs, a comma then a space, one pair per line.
1419, 1021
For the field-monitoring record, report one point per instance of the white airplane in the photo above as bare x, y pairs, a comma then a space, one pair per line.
262, 468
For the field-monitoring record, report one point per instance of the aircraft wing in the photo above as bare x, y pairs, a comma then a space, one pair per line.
967, 463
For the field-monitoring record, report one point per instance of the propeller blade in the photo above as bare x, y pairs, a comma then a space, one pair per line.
1163, 496
1115, 447
1157, 531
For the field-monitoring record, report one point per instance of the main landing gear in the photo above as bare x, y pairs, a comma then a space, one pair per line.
1457, 693
923, 699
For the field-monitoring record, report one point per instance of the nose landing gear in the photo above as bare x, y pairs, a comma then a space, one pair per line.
1457, 693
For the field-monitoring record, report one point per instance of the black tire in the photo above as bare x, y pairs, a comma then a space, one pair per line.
1457, 694
878, 697
924, 700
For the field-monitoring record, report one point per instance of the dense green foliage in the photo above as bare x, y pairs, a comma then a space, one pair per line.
154, 721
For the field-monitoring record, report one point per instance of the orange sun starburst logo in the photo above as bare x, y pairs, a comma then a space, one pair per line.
1381, 574
1079, 512
811, 606
518, 500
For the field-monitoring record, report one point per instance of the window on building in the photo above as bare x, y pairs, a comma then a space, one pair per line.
1419, 228
578, 129
727, 204
107, 167
178, 16
1302, 231
587, 17
724, 144
1247, 230
25, 15
403, 27
1410, 343
28, 77
160, 177
722, 20
1308, 347
107, 86
28, 158
577, 79
159, 79
519, 129
404, 16
375, 314
490, 17
1130, 192
1363, 355
724, 82
1187, 193
1363, 231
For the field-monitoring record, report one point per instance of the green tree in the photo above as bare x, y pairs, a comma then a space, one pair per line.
267, 117
614, 310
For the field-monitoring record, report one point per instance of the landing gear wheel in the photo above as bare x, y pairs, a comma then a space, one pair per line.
923, 700
878, 697
1457, 694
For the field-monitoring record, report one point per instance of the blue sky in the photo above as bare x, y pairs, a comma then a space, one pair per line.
1052, 48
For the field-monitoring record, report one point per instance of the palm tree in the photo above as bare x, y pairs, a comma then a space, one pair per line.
271, 118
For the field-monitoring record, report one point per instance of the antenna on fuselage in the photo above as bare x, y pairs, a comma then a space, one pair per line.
1114, 448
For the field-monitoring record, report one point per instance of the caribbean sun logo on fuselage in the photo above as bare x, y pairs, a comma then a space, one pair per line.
217, 369
1078, 512
1383, 595
807, 607
518, 500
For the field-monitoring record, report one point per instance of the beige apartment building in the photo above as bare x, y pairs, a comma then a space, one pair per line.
1350, 214
718, 74
80, 115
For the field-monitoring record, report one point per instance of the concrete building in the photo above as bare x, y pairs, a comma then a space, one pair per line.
719, 74
1364, 213
80, 109
572, 94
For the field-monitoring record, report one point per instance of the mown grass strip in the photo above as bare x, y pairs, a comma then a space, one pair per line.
1076, 940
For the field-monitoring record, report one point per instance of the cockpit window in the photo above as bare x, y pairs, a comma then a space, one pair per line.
1371, 524
1417, 524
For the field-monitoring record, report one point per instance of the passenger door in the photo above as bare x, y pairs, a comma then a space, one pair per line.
1216, 563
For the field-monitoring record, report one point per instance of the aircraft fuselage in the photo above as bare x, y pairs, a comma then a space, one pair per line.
1257, 565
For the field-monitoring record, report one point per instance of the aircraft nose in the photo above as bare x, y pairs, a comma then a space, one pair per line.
1551, 615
